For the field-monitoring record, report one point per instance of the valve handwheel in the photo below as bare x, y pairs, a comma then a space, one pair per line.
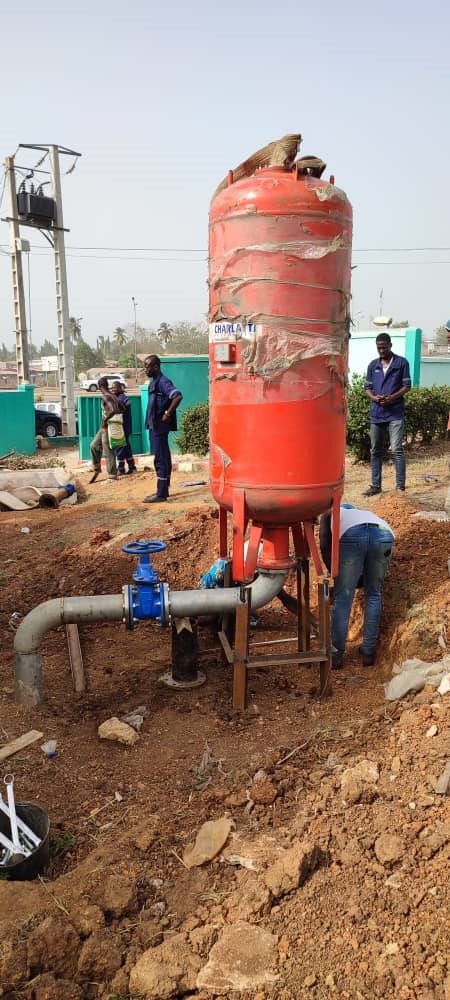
143, 548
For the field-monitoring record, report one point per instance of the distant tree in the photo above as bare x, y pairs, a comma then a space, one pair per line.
126, 361
75, 329
120, 337
189, 338
164, 334
7, 354
401, 324
441, 336
48, 349
84, 357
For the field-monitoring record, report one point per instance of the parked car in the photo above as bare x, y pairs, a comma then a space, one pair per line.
91, 384
47, 424
49, 407
54, 408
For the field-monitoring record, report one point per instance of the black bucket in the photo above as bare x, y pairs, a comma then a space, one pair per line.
37, 819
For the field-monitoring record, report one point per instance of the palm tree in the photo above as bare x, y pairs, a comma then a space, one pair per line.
120, 337
164, 334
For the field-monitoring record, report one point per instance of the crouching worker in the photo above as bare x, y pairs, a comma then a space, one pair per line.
124, 454
365, 549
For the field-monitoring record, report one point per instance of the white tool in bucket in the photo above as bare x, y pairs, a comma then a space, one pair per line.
23, 840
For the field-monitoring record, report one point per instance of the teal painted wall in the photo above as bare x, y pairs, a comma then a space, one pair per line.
406, 342
435, 371
17, 421
89, 418
190, 374
413, 351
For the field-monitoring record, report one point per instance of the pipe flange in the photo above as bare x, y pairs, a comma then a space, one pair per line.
170, 681
128, 617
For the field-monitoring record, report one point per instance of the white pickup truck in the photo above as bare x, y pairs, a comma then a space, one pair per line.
91, 384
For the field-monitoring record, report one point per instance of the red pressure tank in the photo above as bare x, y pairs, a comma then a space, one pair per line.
280, 252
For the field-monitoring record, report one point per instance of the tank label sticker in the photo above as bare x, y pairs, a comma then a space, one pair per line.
234, 331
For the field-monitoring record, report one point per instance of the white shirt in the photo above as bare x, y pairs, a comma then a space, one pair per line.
350, 516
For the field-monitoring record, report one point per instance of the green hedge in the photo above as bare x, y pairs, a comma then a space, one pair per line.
426, 416
193, 436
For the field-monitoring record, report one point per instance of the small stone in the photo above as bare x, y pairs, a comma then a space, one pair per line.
293, 868
263, 793
236, 799
120, 732
425, 801
242, 959
310, 981
165, 971
389, 848
330, 981
355, 779
442, 786
395, 765
432, 731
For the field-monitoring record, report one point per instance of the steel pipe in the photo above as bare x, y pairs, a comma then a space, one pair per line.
191, 603
50, 614
113, 607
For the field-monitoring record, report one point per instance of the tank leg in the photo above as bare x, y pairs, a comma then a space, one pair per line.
303, 609
324, 636
241, 654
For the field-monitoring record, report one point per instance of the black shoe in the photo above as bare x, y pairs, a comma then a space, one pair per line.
371, 491
337, 661
130, 471
368, 659
121, 472
400, 489
154, 499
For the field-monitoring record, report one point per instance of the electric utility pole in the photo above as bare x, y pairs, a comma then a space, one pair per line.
20, 318
33, 208
65, 350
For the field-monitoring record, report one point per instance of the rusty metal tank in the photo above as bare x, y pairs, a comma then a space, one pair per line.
279, 280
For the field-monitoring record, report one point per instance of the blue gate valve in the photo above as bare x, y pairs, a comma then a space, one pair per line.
148, 598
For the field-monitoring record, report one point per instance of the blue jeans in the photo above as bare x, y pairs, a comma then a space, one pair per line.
377, 436
364, 550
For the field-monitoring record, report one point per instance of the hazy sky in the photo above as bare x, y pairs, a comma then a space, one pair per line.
162, 98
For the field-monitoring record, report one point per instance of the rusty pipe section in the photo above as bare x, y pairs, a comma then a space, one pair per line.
50, 614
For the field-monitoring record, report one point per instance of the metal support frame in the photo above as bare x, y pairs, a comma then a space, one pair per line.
310, 651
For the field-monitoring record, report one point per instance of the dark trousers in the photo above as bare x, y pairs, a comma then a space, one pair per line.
163, 461
125, 454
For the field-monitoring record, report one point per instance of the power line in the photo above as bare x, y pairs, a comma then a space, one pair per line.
114, 249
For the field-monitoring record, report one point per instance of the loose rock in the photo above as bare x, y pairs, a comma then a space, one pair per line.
242, 959
293, 868
389, 848
355, 779
166, 971
113, 729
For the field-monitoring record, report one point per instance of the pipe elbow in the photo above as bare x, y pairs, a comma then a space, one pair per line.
193, 603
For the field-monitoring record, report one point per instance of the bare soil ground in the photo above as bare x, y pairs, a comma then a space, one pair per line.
366, 914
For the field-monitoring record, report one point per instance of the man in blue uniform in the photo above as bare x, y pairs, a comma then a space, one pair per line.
161, 418
387, 382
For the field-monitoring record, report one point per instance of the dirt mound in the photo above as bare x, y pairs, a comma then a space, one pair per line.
336, 873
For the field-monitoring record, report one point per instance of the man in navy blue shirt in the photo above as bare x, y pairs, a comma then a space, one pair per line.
161, 418
387, 382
